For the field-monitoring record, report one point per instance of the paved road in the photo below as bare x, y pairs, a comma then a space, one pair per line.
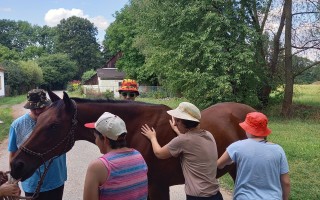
78, 159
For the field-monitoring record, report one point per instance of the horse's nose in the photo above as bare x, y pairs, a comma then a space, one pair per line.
16, 169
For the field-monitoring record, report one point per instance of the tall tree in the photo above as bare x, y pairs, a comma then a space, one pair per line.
77, 37
288, 92
270, 17
16, 35
57, 69
45, 37
120, 37
201, 49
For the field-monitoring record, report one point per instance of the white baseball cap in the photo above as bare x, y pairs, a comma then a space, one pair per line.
109, 125
186, 111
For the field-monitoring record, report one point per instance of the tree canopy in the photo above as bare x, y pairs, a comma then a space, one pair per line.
76, 37
58, 70
202, 50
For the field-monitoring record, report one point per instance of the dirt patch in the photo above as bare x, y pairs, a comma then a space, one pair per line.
18, 110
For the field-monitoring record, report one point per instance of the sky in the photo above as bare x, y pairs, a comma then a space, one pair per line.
50, 12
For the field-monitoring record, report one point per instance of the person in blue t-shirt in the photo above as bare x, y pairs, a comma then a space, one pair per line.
20, 130
262, 166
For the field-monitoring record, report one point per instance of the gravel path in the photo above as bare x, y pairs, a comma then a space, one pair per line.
78, 158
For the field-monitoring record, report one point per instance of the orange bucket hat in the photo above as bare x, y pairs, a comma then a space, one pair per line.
129, 85
256, 124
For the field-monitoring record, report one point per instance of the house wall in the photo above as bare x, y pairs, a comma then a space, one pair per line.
104, 85
112, 85
2, 91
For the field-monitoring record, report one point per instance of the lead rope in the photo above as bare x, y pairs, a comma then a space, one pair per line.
37, 191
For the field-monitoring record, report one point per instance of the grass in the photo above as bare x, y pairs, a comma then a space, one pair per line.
9, 101
171, 102
307, 95
298, 136
5, 113
301, 144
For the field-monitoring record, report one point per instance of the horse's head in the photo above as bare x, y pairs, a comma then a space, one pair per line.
53, 135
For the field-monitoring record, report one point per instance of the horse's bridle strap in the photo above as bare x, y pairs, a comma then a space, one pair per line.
70, 137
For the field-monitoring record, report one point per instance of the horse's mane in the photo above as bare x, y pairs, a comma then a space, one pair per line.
84, 100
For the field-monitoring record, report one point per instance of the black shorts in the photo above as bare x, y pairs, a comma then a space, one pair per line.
217, 196
55, 194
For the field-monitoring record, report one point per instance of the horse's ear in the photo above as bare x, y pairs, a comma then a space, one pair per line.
67, 102
53, 96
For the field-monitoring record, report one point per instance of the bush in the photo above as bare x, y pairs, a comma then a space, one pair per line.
109, 94
74, 85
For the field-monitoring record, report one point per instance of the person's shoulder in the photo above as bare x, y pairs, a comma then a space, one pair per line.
20, 119
240, 143
276, 146
96, 164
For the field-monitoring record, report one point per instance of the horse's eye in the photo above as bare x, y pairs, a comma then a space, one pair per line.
53, 126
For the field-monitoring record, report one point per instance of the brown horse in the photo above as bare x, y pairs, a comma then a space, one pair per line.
63, 123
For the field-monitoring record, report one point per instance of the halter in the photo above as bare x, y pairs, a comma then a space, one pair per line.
70, 142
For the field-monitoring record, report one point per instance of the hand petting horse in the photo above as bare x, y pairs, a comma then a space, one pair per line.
63, 123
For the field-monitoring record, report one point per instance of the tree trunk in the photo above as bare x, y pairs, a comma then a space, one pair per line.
288, 91
266, 89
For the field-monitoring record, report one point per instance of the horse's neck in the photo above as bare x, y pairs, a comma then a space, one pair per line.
90, 112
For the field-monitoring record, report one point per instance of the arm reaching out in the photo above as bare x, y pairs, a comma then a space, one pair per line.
224, 160
160, 152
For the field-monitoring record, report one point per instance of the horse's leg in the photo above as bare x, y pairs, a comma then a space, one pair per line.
158, 192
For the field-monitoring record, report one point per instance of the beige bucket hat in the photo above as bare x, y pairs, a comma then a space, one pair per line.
186, 111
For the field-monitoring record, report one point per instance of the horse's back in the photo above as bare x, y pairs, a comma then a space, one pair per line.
222, 120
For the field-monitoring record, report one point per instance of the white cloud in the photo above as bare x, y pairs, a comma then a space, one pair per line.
100, 22
5, 9
53, 17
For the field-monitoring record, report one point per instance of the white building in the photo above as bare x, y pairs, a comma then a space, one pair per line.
106, 79
2, 90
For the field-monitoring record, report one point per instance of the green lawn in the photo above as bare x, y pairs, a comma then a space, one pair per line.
5, 113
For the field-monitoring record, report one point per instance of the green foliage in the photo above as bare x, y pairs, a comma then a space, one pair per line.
16, 35
109, 94
304, 75
188, 54
45, 37
7, 54
32, 52
22, 76
57, 69
87, 75
34, 75
74, 85
76, 37
119, 38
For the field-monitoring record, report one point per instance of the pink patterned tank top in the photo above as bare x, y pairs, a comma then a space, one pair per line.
127, 178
